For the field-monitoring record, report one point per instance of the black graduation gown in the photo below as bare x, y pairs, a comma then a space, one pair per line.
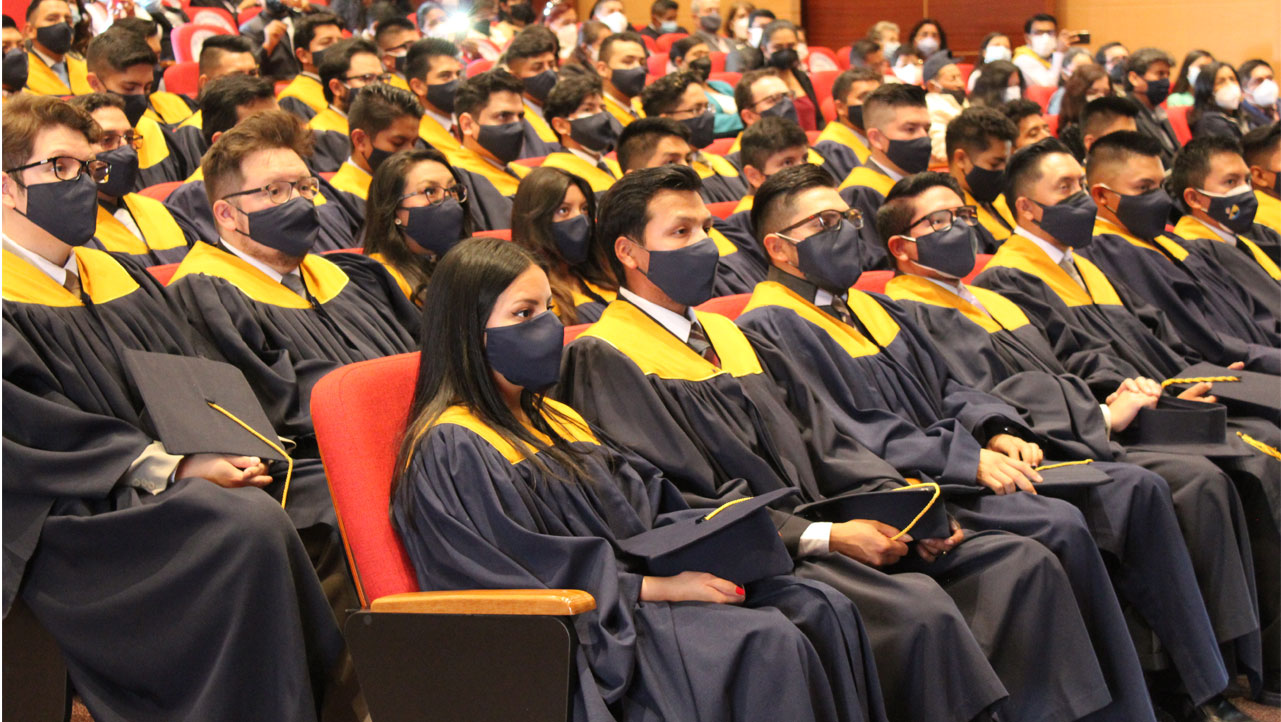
864, 190
1002, 353
1209, 311
475, 512
741, 265
198, 602
331, 149
719, 433
1250, 264
490, 210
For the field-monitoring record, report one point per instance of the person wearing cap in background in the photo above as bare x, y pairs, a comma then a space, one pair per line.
304, 96
531, 59
621, 66
52, 68
945, 98
680, 97
575, 109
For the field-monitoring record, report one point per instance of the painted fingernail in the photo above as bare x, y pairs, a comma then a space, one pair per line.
740, 591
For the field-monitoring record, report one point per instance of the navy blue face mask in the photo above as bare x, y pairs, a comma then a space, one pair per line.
1145, 214
685, 274
985, 184
135, 107
66, 210
539, 86
527, 354
442, 95
630, 81
573, 238
831, 259
122, 170
1071, 221
912, 156
949, 252
855, 114
784, 108
702, 129
505, 140
291, 227
1235, 211
597, 133
437, 227
15, 70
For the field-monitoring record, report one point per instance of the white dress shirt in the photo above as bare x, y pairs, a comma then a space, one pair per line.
47, 267
1034, 73
271, 273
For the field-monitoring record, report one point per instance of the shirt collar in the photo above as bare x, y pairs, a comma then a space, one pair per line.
531, 107
800, 286
1055, 254
271, 273
585, 155
47, 267
336, 110
360, 170
313, 76
896, 177
446, 121
676, 324
1227, 235
956, 288
45, 58
627, 105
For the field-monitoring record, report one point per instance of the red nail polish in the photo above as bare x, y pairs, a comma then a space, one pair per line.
740, 591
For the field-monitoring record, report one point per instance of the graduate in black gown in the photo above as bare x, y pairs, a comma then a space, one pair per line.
684, 390
174, 587
1105, 338
502, 488
988, 343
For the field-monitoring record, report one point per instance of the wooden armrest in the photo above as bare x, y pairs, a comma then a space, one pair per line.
532, 602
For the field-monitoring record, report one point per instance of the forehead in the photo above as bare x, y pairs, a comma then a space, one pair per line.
767, 86
783, 36
325, 31
428, 172
50, 7
693, 94
1119, 123
1225, 73
1115, 51
813, 200
236, 61
1057, 166
911, 114
403, 125
666, 205
1261, 71
1032, 122
1041, 25
264, 166
623, 48
1224, 163
591, 100
111, 119
671, 145
364, 63
397, 36
935, 199
59, 140
503, 101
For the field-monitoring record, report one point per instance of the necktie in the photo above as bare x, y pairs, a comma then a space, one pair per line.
72, 284
703, 347
841, 310
603, 166
1068, 266
293, 282
60, 70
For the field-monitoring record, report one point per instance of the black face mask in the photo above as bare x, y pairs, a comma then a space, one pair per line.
710, 24
855, 114
701, 68
831, 259
398, 62
122, 170
1158, 91
702, 130
376, 157
1117, 72
1236, 211
573, 238
1145, 214
135, 107
527, 354
912, 156
784, 59
986, 185
630, 82
1071, 221
15, 70
597, 133
539, 86
959, 95
505, 141
949, 252
318, 57
685, 274
438, 227
56, 38
67, 210
784, 108
442, 95
291, 227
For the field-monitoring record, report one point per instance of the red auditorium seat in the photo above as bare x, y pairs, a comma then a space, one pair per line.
873, 281
966, 69
183, 78
828, 107
722, 210
160, 191
416, 651
650, 45
572, 332
478, 66
728, 306
1041, 94
1179, 121
843, 57
812, 136
980, 262
163, 273
823, 82
531, 162
214, 16
187, 39
728, 77
720, 146
358, 251
829, 54
1053, 122
664, 41
502, 234
718, 61
656, 64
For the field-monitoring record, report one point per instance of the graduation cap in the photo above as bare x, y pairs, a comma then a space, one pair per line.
1071, 473
1179, 426
737, 541
1250, 394
201, 406
911, 509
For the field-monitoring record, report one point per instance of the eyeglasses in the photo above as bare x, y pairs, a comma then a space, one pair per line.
113, 140
942, 220
694, 112
776, 98
828, 220
369, 78
67, 168
282, 190
436, 194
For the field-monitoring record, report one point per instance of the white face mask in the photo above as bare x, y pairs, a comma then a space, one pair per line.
1193, 73
616, 21
1012, 93
739, 27
1043, 44
910, 74
1264, 94
754, 36
994, 53
888, 49
1228, 97
928, 45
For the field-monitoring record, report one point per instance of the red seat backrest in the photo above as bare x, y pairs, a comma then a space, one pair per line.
163, 273
1053, 122
650, 44
980, 262
502, 234
478, 66
214, 16
843, 57
718, 61
160, 191
812, 136
183, 78
187, 39
664, 41
728, 306
823, 82
1179, 121
572, 332
1041, 94
720, 146
656, 64
360, 412
873, 281
724, 209
729, 77
531, 162
828, 107
829, 54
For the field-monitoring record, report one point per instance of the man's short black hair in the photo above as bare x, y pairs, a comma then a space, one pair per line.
1102, 112
569, 93
892, 96
1142, 59
681, 47
97, 101
743, 91
305, 27
530, 43
624, 209
1192, 163
418, 60
627, 36
337, 61
774, 198
1039, 18
377, 106
895, 216
1024, 166
637, 141
1246, 68
216, 46
1121, 146
1101, 55
659, 7
859, 51
664, 95
767, 136
139, 26
776, 26
10, 22
847, 79
117, 50
220, 98
974, 130
1020, 108
1261, 142
474, 92
35, 6
390, 23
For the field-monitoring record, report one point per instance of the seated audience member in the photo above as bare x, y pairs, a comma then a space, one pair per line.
885, 34
561, 18
944, 97
680, 97
304, 96
348, 66
1262, 148
843, 143
270, 31
1041, 58
1113, 57
761, 93
531, 58
867, 53
120, 62
383, 120
779, 41
979, 142
898, 125
583, 60
393, 35
662, 19
1216, 103
994, 47
220, 56
906, 64
711, 417
1106, 115
1193, 63
417, 211
553, 217
575, 109
610, 13
489, 110
52, 69
1026, 115
1075, 59
656, 142
104, 518
693, 55
1088, 83
162, 106
1147, 82
16, 63
434, 72
1209, 310
1259, 90
621, 66
128, 223
707, 17
927, 36
748, 56
989, 344
700, 638
999, 82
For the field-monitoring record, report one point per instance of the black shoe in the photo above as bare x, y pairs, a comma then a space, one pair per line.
1218, 710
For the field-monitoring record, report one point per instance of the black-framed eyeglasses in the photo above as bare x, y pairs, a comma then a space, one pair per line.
112, 140
828, 220
436, 194
369, 78
282, 190
694, 112
941, 220
68, 168
776, 98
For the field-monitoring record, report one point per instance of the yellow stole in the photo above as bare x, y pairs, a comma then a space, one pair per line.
1024, 255
468, 159
1001, 312
598, 179
724, 246
159, 230
879, 322
812, 156
711, 165
396, 275
987, 220
1157, 245
168, 108
308, 90
436, 135
323, 279
1025, 51
745, 204
1190, 227
580, 297
658, 353
869, 178
329, 119
353, 180
195, 120
573, 428
102, 278
1269, 211
624, 114
1003, 210
541, 127
842, 134
154, 149
41, 80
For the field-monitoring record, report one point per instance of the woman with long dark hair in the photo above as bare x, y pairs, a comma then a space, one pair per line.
1193, 63
927, 36
554, 217
1216, 102
498, 487
779, 42
416, 211
1089, 82
998, 83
